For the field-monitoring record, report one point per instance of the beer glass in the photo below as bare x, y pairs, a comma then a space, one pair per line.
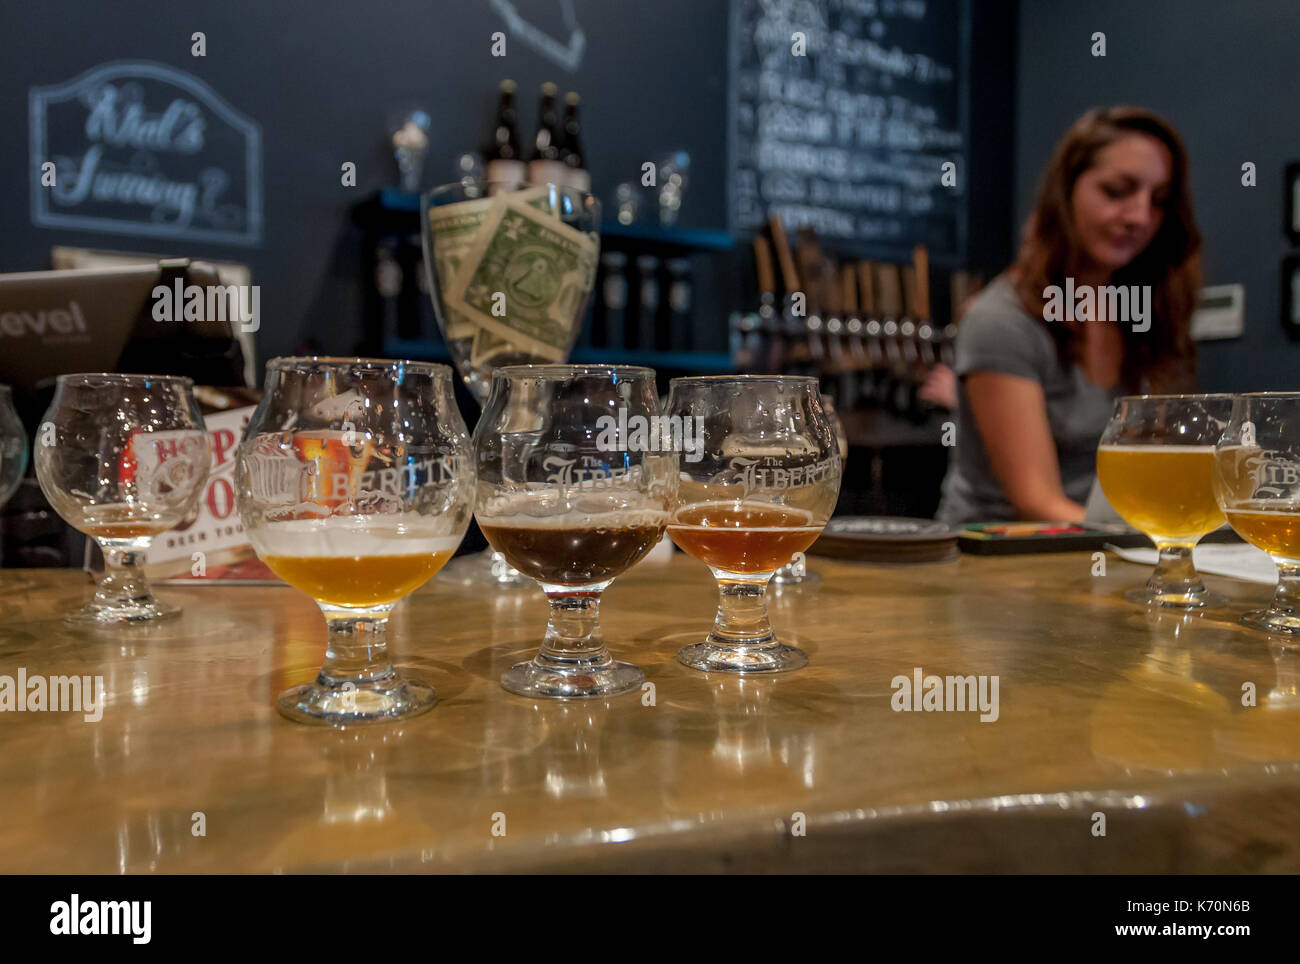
796, 571
123, 458
760, 488
510, 268
354, 483
1257, 484
1155, 462
576, 475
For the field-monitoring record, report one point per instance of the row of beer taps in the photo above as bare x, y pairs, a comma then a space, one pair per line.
864, 328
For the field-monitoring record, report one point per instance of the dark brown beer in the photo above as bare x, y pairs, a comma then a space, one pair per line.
747, 537
572, 555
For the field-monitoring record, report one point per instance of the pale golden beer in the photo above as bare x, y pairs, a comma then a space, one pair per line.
1162, 490
1268, 526
348, 566
358, 580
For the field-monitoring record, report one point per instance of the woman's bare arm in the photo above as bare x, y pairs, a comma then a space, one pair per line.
1011, 416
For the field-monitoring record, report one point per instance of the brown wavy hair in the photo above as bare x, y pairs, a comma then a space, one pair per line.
1163, 358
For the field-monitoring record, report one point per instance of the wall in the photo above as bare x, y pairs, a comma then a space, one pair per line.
320, 78
1225, 74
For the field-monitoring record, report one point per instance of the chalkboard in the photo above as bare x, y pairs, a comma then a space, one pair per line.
842, 116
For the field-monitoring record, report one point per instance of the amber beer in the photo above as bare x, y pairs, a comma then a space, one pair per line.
1271, 526
1162, 490
746, 537
123, 522
573, 553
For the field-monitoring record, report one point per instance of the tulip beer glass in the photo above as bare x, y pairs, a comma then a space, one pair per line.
762, 489
123, 458
510, 269
354, 482
1257, 483
1155, 463
575, 479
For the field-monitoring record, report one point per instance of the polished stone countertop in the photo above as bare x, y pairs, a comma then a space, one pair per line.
1105, 713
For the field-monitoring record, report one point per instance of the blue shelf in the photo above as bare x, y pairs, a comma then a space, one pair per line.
692, 239
696, 239
426, 349
689, 361
395, 199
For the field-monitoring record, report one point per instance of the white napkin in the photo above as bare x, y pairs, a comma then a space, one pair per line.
1239, 561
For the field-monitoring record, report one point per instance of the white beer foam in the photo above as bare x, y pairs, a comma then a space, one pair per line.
1156, 448
341, 538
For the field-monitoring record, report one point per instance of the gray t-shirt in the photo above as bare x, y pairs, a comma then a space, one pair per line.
998, 335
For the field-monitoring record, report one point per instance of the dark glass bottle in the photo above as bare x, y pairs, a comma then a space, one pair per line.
575, 162
504, 159
544, 164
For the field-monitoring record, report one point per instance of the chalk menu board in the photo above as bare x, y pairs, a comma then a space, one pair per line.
849, 134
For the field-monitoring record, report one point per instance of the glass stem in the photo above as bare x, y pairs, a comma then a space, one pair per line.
742, 613
124, 584
1175, 575
357, 651
573, 634
1286, 600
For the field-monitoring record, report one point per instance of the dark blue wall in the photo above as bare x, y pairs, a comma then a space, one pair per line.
319, 77
1227, 75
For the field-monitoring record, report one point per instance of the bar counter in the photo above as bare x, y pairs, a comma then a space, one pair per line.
1105, 713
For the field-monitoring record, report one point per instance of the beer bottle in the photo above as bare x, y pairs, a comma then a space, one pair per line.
544, 165
503, 159
575, 164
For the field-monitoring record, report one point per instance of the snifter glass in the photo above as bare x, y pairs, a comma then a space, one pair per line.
1257, 484
759, 489
355, 482
510, 269
576, 475
1155, 462
123, 458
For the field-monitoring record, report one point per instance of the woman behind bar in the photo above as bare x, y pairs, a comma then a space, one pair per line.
1035, 393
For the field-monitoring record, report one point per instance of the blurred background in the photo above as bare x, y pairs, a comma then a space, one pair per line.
290, 153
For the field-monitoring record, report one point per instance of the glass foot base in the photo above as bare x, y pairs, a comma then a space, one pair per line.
484, 570
771, 658
154, 612
394, 698
1174, 600
547, 680
1272, 622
